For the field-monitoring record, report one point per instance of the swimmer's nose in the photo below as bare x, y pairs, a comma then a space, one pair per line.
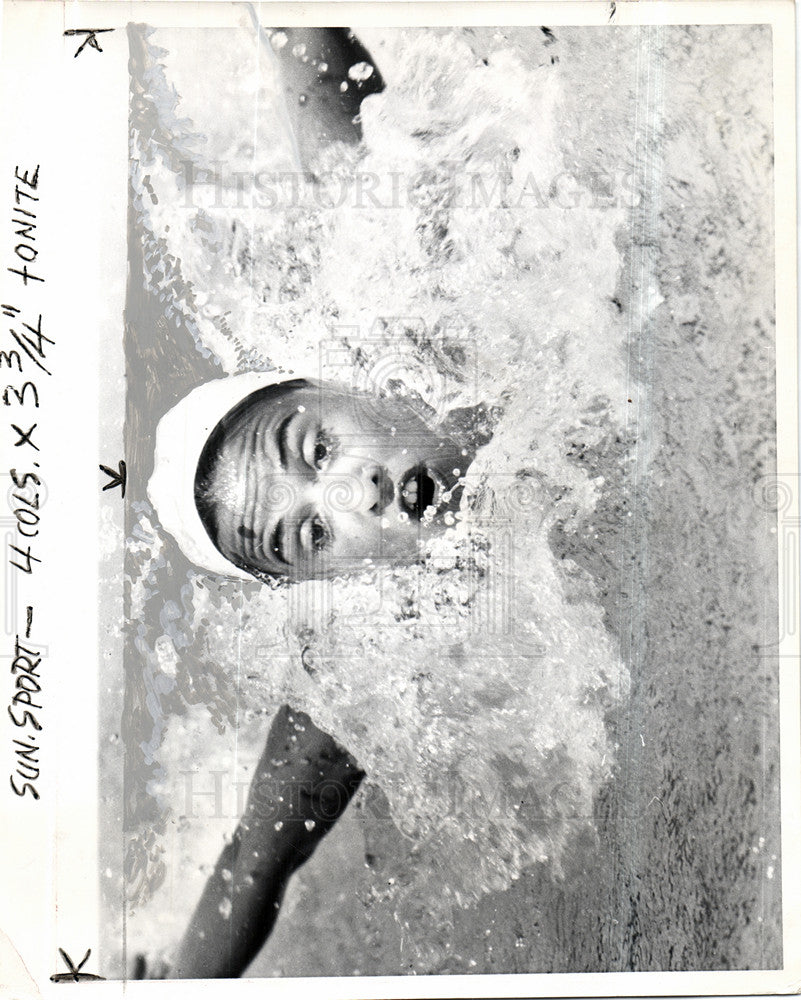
379, 489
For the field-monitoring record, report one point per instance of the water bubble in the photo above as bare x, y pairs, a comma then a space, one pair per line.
299, 50
310, 825
343, 86
279, 825
279, 40
226, 875
225, 907
322, 67
360, 72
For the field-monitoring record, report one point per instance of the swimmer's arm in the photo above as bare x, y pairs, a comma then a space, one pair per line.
316, 779
322, 100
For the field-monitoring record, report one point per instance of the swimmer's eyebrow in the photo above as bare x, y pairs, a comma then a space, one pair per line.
282, 435
277, 541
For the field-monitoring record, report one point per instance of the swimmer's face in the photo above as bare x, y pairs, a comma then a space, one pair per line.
308, 481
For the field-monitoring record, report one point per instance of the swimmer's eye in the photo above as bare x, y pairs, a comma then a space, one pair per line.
322, 450
316, 535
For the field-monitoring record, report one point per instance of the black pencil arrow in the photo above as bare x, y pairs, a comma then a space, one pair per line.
91, 37
75, 975
118, 478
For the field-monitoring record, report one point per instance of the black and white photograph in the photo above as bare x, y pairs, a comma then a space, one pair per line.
447, 499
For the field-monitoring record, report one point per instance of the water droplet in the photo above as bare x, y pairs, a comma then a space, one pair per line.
301, 100
225, 907
279, 825
343, 86
225, 874
279, 40
322, 67
310, 825
360, 71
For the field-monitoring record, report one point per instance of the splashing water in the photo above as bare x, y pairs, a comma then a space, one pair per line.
472, 688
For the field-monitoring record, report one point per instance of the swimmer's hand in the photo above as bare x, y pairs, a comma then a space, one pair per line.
325, 73
150, 968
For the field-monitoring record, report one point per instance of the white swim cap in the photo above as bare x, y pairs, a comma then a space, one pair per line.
180, 437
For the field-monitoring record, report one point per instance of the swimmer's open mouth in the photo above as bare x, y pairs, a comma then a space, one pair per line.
420, 489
